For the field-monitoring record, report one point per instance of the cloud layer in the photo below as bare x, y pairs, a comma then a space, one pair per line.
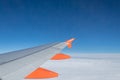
87, 67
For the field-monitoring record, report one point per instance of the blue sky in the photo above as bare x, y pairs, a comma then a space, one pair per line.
94, 23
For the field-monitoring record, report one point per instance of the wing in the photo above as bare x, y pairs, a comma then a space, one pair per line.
16, 65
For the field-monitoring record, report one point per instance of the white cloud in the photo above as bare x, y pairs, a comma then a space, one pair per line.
87, 67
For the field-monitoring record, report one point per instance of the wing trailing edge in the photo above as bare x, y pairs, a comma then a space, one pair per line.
60, 56
41, 73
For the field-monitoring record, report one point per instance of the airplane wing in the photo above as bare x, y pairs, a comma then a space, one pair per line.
17, 65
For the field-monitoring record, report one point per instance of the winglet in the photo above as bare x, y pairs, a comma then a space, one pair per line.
69, 42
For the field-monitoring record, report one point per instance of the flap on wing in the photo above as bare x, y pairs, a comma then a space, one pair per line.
42, 73
60, 56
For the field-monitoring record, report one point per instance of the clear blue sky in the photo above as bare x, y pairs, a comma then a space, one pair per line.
94, 23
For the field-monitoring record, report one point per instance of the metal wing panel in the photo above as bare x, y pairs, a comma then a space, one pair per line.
10, 56
19, 68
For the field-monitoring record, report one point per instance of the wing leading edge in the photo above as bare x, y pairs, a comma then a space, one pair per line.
18, 64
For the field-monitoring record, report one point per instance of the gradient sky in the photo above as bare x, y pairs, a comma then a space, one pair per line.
94, 23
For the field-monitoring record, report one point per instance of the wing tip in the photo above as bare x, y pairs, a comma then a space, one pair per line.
69, 42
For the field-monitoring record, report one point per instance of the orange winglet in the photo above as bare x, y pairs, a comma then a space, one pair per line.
42, 73
69, 42
60, 56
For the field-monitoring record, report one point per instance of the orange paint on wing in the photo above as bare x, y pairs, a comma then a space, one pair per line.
69, 42
42, 73
60, 56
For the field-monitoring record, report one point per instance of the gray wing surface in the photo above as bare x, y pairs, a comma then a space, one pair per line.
18, 64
